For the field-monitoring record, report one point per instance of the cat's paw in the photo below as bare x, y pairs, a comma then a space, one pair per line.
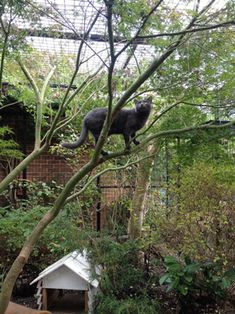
103, 153
127, 148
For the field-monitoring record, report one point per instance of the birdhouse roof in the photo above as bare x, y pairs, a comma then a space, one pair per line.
77, 262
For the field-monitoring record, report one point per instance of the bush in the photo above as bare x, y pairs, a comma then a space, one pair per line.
125, 283
196, 283
189, 278
142, 305
59, 238
200, 219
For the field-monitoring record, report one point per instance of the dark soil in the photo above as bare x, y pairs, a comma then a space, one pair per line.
26, 301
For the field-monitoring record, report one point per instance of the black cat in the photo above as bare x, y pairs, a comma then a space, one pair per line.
126, 122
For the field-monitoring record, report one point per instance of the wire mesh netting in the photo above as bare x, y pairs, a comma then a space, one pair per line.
58, 27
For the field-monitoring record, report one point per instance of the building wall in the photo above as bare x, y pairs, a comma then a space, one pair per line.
48, 167
45, 168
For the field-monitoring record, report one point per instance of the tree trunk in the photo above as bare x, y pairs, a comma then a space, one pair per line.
139, 198
27, 248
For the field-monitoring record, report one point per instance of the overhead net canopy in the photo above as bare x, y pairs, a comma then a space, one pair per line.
57, 27
62, 24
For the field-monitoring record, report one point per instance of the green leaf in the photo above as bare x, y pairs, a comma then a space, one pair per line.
164, 279
225, 283
230, 275
192, 268
175, 283
170, 260
183, 290
188, 278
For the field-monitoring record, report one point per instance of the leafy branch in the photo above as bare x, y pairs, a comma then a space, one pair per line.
164, 134
38, 149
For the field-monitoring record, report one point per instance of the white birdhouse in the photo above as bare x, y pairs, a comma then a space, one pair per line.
69, 274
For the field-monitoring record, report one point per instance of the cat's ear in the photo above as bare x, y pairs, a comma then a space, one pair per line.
150, 99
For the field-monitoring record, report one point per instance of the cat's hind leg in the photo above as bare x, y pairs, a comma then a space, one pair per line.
127, 141
134, 140
96, 137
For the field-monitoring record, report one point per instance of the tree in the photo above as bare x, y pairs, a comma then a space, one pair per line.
129, 31
142, 184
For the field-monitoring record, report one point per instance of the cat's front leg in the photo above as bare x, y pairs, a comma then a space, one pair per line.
136, 142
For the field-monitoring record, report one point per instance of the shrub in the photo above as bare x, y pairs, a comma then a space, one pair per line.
141, 305
124, 282
59, 238
196, 282
200, 219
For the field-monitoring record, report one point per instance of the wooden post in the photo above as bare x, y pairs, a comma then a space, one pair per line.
86, 301
44, 299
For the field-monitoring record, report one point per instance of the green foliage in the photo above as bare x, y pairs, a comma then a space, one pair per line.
124, 283
127, 14
190, 279
179, 277
183, 117
201, 73
38, 193
119, 212
199, 219
59, 238
8, 147
13, 38
130, 305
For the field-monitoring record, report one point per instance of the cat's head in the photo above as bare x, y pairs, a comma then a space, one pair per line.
143, 105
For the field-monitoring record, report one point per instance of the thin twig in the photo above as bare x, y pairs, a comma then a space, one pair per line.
194, 30
140, 28
128, 164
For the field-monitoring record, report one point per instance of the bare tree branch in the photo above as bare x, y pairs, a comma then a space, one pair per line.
194, 30
163, 134
6, 33
141, 79
140, 28
128, 164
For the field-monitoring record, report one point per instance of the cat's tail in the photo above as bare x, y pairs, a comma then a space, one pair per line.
80, 140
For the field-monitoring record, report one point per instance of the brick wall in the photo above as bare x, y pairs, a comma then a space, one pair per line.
48, 167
